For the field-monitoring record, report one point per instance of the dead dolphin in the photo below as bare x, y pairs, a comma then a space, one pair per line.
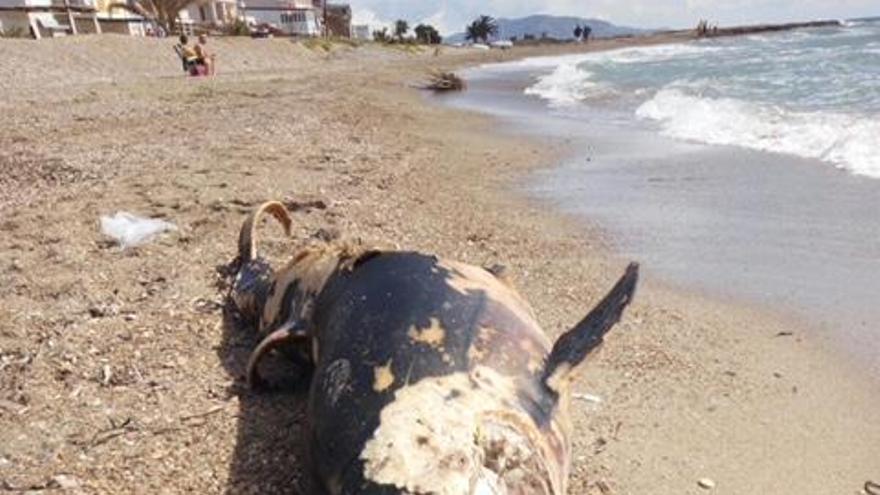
431, 376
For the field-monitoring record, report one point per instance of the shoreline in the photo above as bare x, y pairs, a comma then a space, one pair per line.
754, 336
687, 393
630, 172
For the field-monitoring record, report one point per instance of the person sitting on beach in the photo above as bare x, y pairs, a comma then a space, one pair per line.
205, 57
188, 54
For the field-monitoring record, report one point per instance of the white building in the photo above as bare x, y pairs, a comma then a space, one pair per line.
210, 13
293, 17
119, 20
42, 18
361, 32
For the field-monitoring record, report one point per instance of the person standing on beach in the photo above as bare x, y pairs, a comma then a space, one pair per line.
205, 56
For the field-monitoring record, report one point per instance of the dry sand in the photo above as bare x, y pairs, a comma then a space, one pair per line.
119, 375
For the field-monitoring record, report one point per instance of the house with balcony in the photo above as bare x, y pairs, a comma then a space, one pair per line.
361, 32
291, 17
48, 18
114, 18
210, 14
338, 19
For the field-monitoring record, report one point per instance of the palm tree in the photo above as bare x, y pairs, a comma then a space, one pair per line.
401, 27
164, 12
481, 29
381, 34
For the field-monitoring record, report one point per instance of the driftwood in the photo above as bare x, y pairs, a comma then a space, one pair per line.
444, 81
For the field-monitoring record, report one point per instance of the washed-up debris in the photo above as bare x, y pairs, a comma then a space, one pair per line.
106, 375
64, 482
593, 399
130, 230
444, 81
103, 310
305, 205
327, 235
872, 488
603, 487
706, 484
206, 306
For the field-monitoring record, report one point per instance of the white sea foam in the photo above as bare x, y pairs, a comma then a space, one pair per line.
658, 53
570, 82
565, 86
809, 93
632, 55
847, 141
535, 63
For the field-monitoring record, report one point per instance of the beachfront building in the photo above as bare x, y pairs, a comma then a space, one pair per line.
47, 18
210, 14
361, 32
113, 18
339, 20
293, 17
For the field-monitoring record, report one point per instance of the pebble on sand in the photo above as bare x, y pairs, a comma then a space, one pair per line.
706, 483
64, 482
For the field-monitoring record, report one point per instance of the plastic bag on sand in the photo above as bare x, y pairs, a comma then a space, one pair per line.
131, 230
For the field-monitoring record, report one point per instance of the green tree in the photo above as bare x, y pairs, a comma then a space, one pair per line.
401, 27
428, 35
380, 35
481, 29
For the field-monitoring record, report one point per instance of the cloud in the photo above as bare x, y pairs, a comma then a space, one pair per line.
440, 21
362, 16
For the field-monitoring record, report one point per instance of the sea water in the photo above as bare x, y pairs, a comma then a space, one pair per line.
813, 93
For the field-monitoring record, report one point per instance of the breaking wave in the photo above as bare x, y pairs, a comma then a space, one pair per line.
811, 93
566, 85
847, 141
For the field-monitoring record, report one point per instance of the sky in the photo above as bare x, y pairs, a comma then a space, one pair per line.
450, 16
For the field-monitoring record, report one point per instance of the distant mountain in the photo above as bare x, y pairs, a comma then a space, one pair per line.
559, 27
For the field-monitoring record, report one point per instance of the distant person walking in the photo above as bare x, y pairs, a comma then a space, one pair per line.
205, 57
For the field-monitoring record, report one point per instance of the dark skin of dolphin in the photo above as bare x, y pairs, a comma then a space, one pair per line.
365, 318
378, 325
369, 313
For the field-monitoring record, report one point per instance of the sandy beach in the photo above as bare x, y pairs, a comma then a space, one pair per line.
118, 373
